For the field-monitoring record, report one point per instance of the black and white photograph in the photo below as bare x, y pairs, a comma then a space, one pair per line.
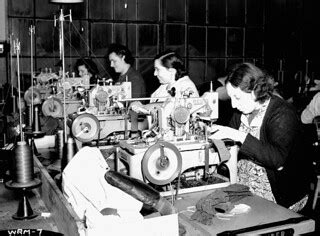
159, 117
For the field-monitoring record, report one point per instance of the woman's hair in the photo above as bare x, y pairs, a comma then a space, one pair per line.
89, 64
171, 59
121, 51
250, 78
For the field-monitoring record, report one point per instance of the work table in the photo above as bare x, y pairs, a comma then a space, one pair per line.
49, 199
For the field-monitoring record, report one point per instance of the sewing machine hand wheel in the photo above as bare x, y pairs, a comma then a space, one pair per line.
52, 107
85, 127
161, 163
32, 96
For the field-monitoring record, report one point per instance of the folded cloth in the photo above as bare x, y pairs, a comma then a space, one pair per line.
236, 192
221, 200
202, 217
235, 188
208, 203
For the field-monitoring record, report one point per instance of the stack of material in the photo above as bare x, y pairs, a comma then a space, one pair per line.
221, 200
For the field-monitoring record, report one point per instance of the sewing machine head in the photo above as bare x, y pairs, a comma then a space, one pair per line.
178, 118
106, 98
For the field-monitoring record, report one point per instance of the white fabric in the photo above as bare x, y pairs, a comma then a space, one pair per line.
182, 86
312, 110
86, 189
88, 192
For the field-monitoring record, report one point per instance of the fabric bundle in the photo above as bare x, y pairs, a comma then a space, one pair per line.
219, 201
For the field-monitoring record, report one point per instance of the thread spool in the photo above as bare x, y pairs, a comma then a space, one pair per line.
36, 127
59, 143
69, 150
23, 163
29, 118
22, 170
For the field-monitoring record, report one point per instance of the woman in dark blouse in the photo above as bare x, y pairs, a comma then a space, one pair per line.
272, 159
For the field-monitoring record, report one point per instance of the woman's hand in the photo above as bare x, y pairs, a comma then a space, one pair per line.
224, 132
138, 107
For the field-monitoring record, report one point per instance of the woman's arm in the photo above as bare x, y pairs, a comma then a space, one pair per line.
139, 108
312, 110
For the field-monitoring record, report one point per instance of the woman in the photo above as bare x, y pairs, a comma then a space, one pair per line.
122, 61
85, 67
173, 77
174, 80
272, 160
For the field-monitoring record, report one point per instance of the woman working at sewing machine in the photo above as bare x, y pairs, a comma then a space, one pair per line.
122, 61
174, 80
272, 158
85, 67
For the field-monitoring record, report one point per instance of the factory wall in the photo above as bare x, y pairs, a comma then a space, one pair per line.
209, 34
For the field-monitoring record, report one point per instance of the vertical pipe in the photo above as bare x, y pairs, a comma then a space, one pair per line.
61, 19
17, 48
11, 75
31, 30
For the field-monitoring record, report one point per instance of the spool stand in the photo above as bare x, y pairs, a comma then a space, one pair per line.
32, 136
23, 180
24, 211
36, 131
23, 170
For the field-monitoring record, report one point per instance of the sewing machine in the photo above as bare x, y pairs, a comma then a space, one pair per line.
104, 100
175, 145
104, 114
48, 89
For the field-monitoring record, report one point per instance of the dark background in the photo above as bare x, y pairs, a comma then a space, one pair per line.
209, 34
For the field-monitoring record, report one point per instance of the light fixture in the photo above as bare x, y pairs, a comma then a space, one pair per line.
66, 1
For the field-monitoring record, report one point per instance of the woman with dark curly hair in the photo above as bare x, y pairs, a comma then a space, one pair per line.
173, 77
121, 60
174, 81
86, 67
271, 159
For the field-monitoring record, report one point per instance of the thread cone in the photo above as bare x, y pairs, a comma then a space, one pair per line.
69, 150
36, 126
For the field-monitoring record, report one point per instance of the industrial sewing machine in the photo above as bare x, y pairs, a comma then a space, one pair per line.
91, 113
48, 89
105, 115
176, 145
104, 100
